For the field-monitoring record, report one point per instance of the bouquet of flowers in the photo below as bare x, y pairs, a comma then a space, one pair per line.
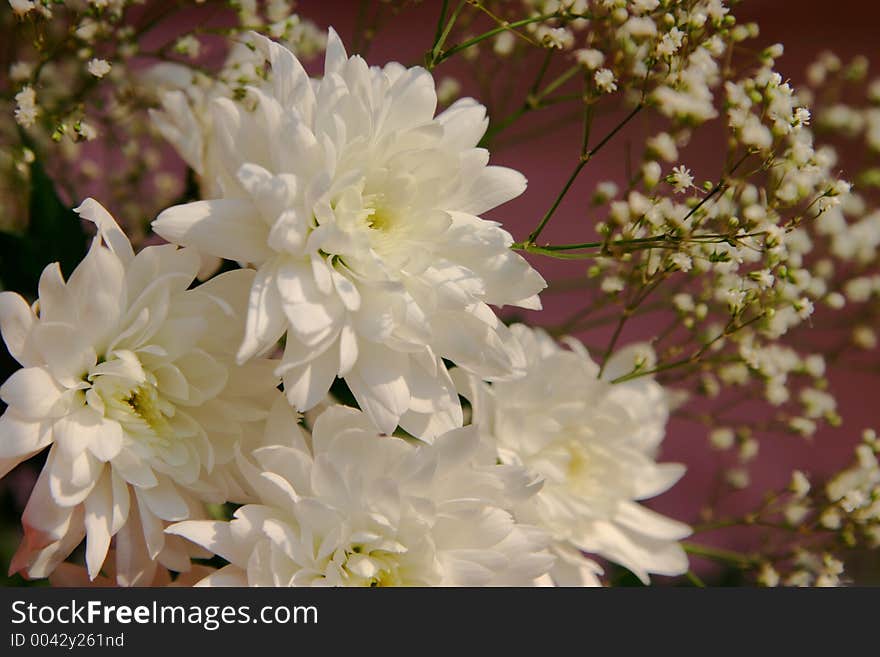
310, 351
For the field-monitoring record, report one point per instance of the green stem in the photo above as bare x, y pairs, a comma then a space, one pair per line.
695, 580
440, 20
439, 56
719, 554
586, 156
563, 77
434, 56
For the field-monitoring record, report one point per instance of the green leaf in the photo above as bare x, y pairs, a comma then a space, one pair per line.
54, 234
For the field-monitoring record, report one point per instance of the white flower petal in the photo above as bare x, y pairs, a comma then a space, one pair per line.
228, 229
16, 322
134, 470
266, 322
20, 436
658, 480
72, 479
54, 304
65, 352
307, 384
108, 229
97, 294
493, 186
650, 523
464, 123
32, 392
378, 382
98, 522
135, 566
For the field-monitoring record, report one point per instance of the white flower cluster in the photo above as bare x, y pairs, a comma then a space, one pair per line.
82, 79
129, 379
594, 445
354, 212
846, 509
754, 243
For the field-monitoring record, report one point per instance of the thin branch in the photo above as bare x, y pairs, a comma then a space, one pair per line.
586, 156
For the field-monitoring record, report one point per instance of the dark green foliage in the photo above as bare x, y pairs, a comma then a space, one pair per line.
54, 234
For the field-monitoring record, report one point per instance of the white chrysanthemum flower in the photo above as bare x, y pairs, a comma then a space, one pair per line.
130, 379
185, 118
359, 209
364, 509
593, 443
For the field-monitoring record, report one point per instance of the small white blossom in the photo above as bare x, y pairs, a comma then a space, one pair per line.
504, 43
558, 38
612, 284
605, 80
87, 131
589, 58
651, 172
768, 576
448, 90
683, 261
799, 485
664, 146
681, 179
26, 110
670, 42
644, 6
722, 438
738, 478
795, 513
865, 337
20, 71
189, 46
98, 67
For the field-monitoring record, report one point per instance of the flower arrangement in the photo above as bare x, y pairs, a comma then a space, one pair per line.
310, 350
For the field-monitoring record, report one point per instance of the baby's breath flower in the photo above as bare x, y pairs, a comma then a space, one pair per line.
87, 131
448, 89
20, 71
26, 110
98, 67
681, 179
504, 43
738, 478
722, 438
605, 80
768, 576
799, 485
189, 46
589, 58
